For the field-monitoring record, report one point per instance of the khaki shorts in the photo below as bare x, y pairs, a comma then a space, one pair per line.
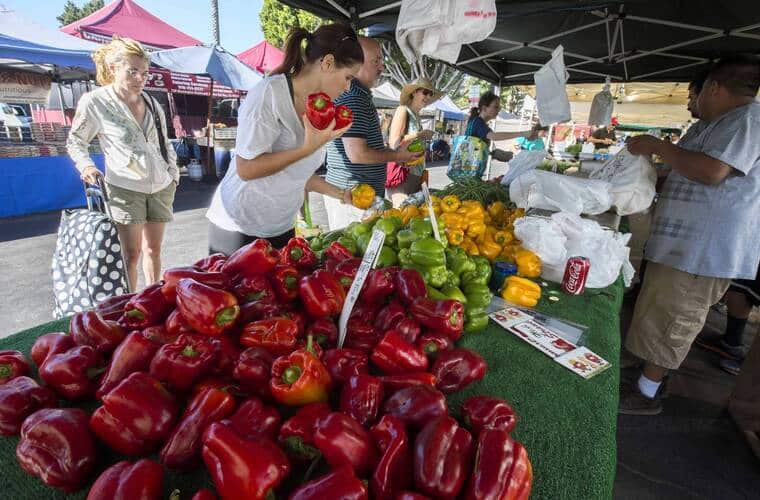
670, 312
133, 207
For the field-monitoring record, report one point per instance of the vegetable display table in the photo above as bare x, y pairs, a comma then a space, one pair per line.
566, 423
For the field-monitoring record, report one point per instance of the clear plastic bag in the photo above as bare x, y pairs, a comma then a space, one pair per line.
551, 95
557, 192
632, 180
522, 162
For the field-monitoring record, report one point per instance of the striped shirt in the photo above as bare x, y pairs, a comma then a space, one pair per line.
340, 171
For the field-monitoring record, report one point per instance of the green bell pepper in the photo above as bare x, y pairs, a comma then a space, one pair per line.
478, 296
405, 258
475, 320
390, 228
454, 293
356, 229
316, 243
436, 275
331, 236
428, 252
452, 280
406, 237
387, 257
349, 243
421, 226
482, 273
458, 261
362, 242
435, 294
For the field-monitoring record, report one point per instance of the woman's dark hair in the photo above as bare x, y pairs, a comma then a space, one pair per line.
485, 100
336, 39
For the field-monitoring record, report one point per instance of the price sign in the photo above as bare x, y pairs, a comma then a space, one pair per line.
368, 262
429, 202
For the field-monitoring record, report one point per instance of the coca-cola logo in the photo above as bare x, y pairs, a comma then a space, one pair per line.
573, 275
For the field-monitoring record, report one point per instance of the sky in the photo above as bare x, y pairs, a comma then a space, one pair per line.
238, 19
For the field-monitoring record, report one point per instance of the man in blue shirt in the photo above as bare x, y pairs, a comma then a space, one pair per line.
704, 231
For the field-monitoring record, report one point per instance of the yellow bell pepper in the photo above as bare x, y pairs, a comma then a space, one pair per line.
488, 219
508, 252
521, 291
393, 212
469, 247
450, 203
408, 213
489, 250
475, 229
472, 213
455, 236
496, 208
503, 237
362, 196
453, 221
528, 264
435, 199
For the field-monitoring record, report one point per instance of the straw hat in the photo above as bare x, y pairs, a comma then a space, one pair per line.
422, 83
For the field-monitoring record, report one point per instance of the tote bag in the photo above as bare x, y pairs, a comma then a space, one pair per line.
469, 156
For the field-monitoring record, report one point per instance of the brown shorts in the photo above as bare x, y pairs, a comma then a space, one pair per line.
670, 312
133, 207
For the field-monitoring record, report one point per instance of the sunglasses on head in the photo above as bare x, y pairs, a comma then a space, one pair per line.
426, 92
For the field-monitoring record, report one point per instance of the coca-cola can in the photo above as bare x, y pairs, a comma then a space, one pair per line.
576, 272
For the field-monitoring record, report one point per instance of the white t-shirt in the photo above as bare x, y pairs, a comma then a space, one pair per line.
266, 207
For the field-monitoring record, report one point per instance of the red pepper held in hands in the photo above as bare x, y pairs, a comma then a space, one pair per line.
297, 253
252, 369
258, 257
276, 335
185, 361
242, 468
343, 441
502, 469
442, 453
142, 480
72, 374
299, 378
285, 283
173, 275
135, 416
206, 309
57, 446
183, 447
253, 288
344, 363
444, 316
149, 307
89, 328
341, 484
49, 344
343, 116
132, 355
485, 412
394, 470
410, 286
12, 364
19, 398
297, 433
320, 110
395, 355
253, 419
361, 398
321, 294
458, 368
416, 405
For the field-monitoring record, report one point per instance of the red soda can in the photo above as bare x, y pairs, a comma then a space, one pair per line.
576, 272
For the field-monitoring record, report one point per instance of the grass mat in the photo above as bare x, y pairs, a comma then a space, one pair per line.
566, 423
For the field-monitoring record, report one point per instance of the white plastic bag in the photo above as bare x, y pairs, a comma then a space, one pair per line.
632, 180
542, 237
521, 163
601, 107
550, 191
551, 96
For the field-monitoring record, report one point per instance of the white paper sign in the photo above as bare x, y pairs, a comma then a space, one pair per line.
429, 202
368, 262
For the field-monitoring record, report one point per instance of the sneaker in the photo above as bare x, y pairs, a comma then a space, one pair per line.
731, 366
722, 348
632, 402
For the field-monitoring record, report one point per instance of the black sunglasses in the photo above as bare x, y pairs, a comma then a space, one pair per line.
427, 92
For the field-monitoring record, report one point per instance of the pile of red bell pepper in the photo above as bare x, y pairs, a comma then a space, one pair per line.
232, 363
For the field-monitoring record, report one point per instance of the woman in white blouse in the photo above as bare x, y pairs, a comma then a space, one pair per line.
141, 173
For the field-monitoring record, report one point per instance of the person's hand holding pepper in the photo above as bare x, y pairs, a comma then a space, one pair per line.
403, 155
644, 144
315, 138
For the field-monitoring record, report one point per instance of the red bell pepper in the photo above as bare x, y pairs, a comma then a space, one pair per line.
241, 468
253, 419
502, 469
360, 336
343, 441
12, 364
299, 378
297, 433
390, 316
49, 344
298, 317
365, 312
324, 331
276, 335
433, 343
344, 363
258, 257
361, 398
173, 275
202, 494
343, 116
19, 398
260, 309
176, 325
378, 286
346, 271
252, 369
57, 446
395, 355
183, 362
416, 405
219, 383
442, 453
252, 288
136, 415
410, 495
142, 480
160, 335
212, 261
72, 374
444, 316
284, 281
394, 470
206, 309
321, 294
183, 447
458, 368
320, 110
132, 355
229, 352
89, 328
409, 330
341, 484
335, 251
485, 412
112, 308
393, 383
297, 253
147, 308
410, 286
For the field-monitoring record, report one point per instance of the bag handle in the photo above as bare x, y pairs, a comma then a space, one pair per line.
159, 127
97, 197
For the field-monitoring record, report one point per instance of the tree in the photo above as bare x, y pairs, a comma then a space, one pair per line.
277, 19
398, 70
71, 12
511, 97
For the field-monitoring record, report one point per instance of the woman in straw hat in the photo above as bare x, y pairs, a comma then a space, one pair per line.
402, 179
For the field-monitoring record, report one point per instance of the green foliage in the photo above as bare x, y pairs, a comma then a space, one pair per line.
72, 12
277, 19
511, 96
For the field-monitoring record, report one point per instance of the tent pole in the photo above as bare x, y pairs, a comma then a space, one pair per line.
63, 105
209, 128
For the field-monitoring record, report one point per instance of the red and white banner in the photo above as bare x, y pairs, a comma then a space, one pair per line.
182, 83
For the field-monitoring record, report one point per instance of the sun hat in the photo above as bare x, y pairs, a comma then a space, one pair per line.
423, 83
